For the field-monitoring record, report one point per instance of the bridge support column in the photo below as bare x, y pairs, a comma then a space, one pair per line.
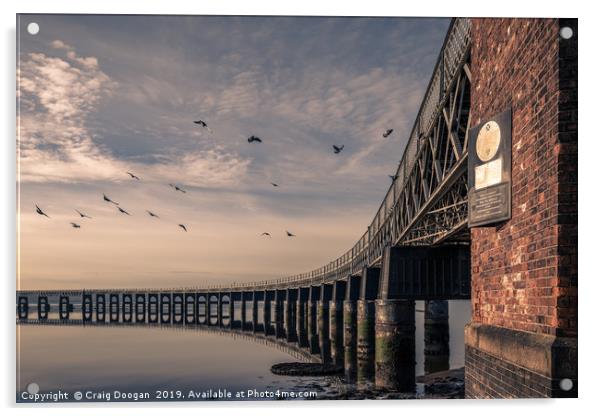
177, 306
231, 324
324, 323
100, 307
301, 315
255, 312
140, 307
43, 307
165, 308
113, 307
350, 338
23, 308
153, 308
268, 297
127, 308
86, 307
220, 310
395, 345
207, 307
365, 341
312, 320
336, 324
279, 312
436, 336
366, 318
243, 311
64, 307
350, 327
289, 317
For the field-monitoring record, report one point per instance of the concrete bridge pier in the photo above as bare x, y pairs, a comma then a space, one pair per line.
206, 309
64, 307
336, 323
43, 307
301, 316
86, 307
312, 319
23, 308
350, 327
366, 318
395, 355
289, 317
243, 311
100, 307
165, 311
324, 323
279, 312
141, 307
436, 336
189, 308
153, 308
231, 323
268, 298
113, 307
127, 308
177, 308
220, 310
255, 311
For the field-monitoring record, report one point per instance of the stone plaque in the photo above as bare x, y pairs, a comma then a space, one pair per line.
489, 170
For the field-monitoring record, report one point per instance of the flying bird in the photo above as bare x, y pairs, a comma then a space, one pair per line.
393, 177
123, 211
39, 211
152, 214
82, 215
254, 139
203, 124
337, 149
289, 234
387, 133
133, 176
267, 234
182, 226
275, 185
74, 225
106, 198
177, 188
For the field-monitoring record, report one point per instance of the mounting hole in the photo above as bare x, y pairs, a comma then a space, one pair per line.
566, 384
33, 28
33, 388
566, 32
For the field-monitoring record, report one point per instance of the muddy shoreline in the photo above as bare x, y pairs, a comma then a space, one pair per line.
447, 384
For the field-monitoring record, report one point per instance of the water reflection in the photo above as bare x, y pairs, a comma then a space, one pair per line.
126, 347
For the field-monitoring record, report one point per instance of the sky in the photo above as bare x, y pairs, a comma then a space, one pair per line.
99, 96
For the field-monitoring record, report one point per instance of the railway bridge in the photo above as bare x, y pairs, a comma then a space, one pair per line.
484, 207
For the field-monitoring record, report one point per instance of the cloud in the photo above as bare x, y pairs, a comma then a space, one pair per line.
56, 97
59, 44
59, 99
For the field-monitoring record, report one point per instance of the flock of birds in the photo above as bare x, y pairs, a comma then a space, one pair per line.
252, 139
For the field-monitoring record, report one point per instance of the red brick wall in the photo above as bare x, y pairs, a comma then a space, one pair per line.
524, 271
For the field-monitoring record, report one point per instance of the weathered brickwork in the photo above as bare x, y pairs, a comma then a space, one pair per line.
486, 376
524, 271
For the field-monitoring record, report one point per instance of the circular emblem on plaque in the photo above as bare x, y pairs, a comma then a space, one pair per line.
488, 141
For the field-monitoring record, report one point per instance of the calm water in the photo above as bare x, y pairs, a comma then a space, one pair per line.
146, 359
